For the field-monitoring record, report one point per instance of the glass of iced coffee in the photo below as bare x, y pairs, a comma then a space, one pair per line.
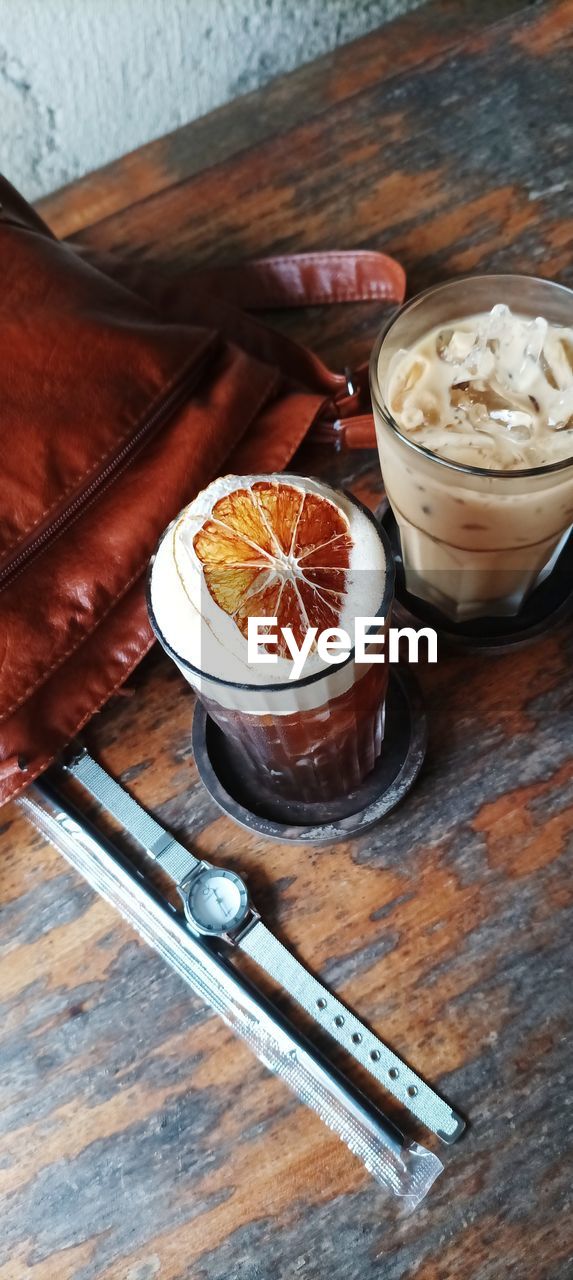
310, 557
472, 389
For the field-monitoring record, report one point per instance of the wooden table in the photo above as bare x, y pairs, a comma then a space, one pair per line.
139, 1138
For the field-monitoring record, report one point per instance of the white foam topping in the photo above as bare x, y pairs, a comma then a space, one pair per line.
201, 633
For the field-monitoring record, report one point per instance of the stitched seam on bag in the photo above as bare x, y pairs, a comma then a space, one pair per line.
103, 457
379, 289
76, 644
326, 256
46, 760
341, 295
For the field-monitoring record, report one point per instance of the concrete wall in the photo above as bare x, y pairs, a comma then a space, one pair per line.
84, 81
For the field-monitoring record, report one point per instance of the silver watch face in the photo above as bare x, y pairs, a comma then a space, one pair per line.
217, 901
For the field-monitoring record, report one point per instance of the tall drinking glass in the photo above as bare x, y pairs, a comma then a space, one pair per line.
312, 738
475, 541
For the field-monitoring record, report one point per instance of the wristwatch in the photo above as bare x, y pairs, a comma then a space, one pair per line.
216, 903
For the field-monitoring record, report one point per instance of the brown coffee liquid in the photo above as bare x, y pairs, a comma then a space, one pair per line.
315, 755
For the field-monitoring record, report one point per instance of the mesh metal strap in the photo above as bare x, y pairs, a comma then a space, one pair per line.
346, 1029
173, 857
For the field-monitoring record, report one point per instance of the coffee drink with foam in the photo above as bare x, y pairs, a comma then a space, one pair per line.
288, 548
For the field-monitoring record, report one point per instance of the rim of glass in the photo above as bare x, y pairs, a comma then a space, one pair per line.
521, 473
275, 687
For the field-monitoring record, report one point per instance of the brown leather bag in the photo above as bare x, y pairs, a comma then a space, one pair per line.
115, 409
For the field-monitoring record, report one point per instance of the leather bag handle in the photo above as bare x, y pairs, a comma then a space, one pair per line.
311, 279
307, 279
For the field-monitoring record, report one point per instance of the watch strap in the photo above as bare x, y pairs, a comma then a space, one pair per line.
344, 1027
258, 942
167, 852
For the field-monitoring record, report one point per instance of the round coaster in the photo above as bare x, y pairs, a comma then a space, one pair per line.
544, 610
241, 794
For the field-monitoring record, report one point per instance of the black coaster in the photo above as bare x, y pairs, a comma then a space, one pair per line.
242, 795
544, 610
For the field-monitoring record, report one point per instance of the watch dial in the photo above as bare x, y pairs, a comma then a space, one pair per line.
217, 900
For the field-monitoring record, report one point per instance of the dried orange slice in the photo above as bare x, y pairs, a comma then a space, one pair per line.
274, 550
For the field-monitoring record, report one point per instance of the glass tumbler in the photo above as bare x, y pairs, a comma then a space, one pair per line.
474, 542
312, 739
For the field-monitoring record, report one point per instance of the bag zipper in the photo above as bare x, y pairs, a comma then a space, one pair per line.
36, 542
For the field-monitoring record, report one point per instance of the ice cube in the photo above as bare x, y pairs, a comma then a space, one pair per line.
558, 362
561, 410
516, 346
519, 424
567, 349
404, 402
470, 405
430, 409
455, 345
537, 336
480, 364
411, 416
476, 358
533, 337
483, 405
497, 324
443, 339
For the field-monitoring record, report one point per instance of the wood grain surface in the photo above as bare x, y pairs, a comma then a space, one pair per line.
138, 1137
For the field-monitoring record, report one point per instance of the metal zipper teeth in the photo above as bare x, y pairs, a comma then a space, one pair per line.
171, 402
